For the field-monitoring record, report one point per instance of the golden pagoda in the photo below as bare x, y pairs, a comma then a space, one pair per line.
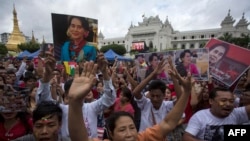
16, 36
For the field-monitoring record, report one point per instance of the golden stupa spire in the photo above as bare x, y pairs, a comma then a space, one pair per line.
16, 36
33, 40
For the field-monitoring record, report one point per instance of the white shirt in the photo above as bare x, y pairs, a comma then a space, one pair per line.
205, 126
146, 115
90, 110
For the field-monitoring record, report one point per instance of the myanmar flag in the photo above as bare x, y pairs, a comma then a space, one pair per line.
70, 67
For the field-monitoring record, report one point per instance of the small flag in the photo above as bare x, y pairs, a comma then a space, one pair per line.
143, 15
70, 67
66, 64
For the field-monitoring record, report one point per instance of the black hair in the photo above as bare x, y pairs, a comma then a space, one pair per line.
84, 22
24, 117
97, 82
67, 85
151, 57
127, 93
2, 68
182, 55
28, 75
46, 108
157, 84
111, 120
30, 67
139, 55
180, 66
11, 71
247, 88
214, 91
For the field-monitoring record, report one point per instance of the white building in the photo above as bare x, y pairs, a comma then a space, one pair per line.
162, 35
4, 37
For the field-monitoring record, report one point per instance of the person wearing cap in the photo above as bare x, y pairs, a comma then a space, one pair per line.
78, 48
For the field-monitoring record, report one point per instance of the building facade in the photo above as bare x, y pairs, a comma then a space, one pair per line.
4, 37
161, 35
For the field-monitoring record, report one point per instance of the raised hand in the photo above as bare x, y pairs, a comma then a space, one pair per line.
102, 62
160, 67
83, 82
49, 64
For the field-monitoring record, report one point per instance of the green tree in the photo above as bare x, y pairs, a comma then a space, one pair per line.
3, 50
30, 46
228, 37
119, 49
242, 41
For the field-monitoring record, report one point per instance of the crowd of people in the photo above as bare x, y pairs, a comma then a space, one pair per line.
152, 100
99, 103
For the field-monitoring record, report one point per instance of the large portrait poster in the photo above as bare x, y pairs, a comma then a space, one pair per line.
67, 30
227, 61
195, 61
147, 62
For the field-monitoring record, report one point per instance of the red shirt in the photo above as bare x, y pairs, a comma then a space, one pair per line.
127, 108
188, 111
16, 131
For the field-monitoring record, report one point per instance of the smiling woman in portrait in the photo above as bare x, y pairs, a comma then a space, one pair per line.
217, 52
78, 48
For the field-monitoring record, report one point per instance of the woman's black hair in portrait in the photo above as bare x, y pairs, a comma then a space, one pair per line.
84, 22
225, 45
151, 57
179, 65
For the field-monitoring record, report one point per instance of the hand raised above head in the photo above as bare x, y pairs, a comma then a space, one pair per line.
160, 67
102, 62
83, 82
49, 64
172, 70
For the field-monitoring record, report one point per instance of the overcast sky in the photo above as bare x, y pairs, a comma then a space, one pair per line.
115, 16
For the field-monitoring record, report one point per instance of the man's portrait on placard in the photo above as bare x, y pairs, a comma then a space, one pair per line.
75, 37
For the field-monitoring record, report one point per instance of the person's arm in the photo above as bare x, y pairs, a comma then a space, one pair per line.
137, 91
21, 69
80, 87
109, 94
177, 87
43, 91
172, 118
130, 79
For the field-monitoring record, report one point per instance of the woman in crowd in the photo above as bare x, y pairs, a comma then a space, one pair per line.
14, 125
120, 125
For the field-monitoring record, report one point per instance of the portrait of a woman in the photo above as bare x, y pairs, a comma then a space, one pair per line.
77, 48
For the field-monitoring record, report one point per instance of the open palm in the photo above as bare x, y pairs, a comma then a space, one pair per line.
83, 82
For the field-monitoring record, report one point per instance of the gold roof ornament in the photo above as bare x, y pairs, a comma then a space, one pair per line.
33, 40
16, 36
